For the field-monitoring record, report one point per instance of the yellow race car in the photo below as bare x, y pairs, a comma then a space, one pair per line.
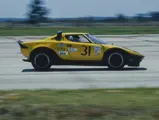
77, 49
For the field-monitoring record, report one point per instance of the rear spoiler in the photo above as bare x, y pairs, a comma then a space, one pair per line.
21, 44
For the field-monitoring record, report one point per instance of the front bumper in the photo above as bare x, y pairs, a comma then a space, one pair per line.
134, 60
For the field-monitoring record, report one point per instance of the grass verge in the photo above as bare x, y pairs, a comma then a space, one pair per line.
100, 104
33, 31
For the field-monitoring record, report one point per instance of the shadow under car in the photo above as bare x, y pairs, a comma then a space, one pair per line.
85, 69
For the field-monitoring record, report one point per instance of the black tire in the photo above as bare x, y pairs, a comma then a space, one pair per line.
116, 60
41, 61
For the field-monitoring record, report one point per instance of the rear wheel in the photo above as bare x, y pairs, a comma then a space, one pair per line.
115, 60
41, 61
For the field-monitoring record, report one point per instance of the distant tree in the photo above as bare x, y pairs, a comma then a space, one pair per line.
139, 17
154, 16
142, 18
121, 18
37, 13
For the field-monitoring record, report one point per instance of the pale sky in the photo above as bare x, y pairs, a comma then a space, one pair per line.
80, 8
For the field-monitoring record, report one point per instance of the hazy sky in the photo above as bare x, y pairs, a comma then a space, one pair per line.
76, 8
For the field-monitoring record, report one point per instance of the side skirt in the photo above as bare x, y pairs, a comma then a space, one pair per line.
83, 63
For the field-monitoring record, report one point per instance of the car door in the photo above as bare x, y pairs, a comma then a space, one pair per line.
85, 50
60, 47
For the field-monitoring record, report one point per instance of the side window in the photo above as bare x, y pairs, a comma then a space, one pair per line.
83, 39
69, 37
77, 38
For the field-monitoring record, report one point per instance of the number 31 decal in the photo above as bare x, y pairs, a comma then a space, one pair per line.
87, 50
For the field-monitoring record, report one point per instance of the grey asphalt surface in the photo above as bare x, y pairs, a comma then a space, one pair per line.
16, 74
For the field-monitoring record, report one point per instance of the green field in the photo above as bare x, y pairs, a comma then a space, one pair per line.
101, 104
109, 30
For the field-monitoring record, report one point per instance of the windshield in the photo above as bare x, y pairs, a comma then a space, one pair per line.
96, 40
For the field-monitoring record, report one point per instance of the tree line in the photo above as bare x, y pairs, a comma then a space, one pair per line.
39, 13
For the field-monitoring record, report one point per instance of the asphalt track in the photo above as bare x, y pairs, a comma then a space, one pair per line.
16, 74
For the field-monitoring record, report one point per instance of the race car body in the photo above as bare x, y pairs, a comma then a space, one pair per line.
77, 49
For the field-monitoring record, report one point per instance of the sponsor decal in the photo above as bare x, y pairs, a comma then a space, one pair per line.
72, 49
63, 52
97, 50
61, 49
60, 45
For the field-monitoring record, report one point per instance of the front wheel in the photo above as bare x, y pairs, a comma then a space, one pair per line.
41, 61
115, 60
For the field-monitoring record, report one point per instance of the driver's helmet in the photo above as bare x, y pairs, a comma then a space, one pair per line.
70, 38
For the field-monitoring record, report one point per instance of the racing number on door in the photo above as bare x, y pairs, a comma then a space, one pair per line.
87, 50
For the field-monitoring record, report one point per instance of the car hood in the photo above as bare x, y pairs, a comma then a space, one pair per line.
133, 52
